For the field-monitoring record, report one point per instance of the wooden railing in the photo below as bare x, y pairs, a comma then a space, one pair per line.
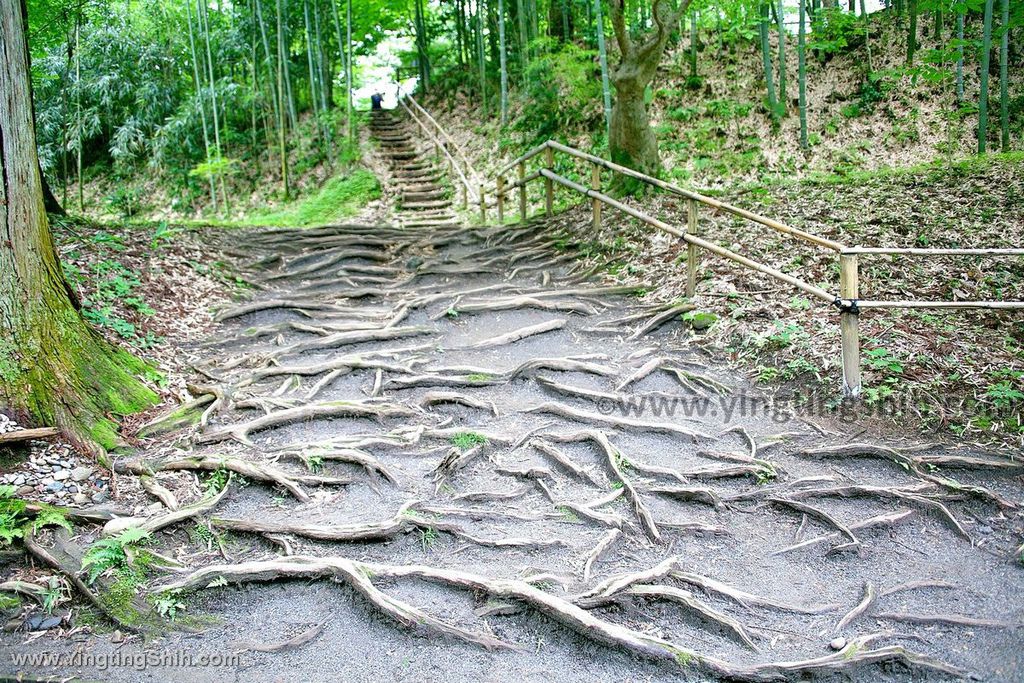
847, 301
469, 181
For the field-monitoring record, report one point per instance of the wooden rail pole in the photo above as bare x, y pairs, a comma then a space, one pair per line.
483, 205
848, 326
501, 199
465, 197
691, 249
549, 185
595, 185
522, 192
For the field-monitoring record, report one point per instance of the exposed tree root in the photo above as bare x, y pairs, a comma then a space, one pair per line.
363, 409
924, 466
549, 449
886, 520
515, 303
744, 598
946, 619
312, 455
338, 339
870, 595
520, 334
154, 524
595, 554
660, 319
615, 460
153, 488
571, 413
435, 397
684, 597
246, 468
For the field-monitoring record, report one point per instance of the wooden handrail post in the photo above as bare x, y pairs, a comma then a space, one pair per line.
465, 197
522, 192
501, 199
848, 325
549, 185
483, 205
691, 249
595, 203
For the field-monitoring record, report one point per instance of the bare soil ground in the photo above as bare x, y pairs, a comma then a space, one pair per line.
443, 452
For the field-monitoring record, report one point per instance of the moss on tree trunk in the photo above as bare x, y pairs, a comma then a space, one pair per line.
631, 141
54, 368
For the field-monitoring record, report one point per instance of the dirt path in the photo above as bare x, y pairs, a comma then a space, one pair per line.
454, 458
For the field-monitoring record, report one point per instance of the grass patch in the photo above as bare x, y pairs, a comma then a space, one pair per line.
339, 198
466, 440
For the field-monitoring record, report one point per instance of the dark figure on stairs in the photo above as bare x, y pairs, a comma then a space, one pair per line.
375, 100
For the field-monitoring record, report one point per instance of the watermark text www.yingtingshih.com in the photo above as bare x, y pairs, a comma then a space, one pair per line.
779, 409
137, 661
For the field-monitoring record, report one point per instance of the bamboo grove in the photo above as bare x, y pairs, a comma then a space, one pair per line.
201, 93
217, 97
488, 47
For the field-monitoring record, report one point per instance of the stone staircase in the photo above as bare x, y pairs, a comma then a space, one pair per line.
423, 200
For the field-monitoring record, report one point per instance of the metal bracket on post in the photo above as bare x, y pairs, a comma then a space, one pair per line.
522, 191
691, 250
501, 199
549, 185
849, 324
595, 185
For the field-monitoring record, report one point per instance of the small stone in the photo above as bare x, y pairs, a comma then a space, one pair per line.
81, 473
26, 491
116, 637
46, 481
18, 480
99, 497
72, 488
984, 529
80, 499
55, 486
838, 643
66, 464
61, 475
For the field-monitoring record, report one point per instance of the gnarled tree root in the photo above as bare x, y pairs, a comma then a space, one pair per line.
360, 576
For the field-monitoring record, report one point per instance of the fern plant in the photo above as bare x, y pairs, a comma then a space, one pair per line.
114, 553
16, 517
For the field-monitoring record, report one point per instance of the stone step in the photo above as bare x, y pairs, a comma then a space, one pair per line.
417, 206
429, 224
424, 195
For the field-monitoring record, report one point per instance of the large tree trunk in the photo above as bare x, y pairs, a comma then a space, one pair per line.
54, 368
631, 141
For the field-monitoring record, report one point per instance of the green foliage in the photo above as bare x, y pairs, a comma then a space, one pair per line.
466, 440
167, 605
16, 518
561, 92
834, 31
339, 198
117, 553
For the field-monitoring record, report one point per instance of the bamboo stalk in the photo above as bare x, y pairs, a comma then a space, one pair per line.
914, 251
549, 186
595, 185
848, 326
691, 249
713, 203
702, 243
501, 199
521, 170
